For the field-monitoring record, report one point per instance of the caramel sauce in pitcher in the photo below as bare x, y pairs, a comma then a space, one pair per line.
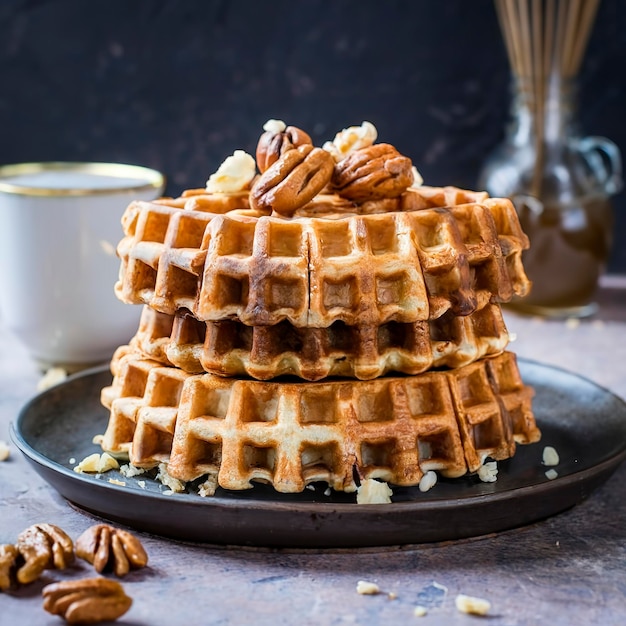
561, 184
569, 249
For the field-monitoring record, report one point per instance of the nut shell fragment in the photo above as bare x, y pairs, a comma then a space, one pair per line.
292, 181
86, 601
43, 546
106, 547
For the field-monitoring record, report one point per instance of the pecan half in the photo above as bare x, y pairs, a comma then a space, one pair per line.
86, 601
8, 564
292, 181
371, 173
42, 546
107, 547
273, 145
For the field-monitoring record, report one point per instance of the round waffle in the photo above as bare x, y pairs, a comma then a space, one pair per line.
289, 434
230, 348
220, 260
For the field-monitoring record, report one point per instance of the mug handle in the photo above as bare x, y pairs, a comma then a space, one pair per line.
604, 160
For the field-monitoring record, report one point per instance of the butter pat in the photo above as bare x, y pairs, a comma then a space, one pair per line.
274, 126
488, 472
52, 377
373, 492
550, 456
471, 605
96, 464
418, 181
234, 174
351, 139
428, 481
366, 588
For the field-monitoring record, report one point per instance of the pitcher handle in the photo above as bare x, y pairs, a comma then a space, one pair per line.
605, 161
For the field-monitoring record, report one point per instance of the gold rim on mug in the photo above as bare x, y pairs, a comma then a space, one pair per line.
147, 178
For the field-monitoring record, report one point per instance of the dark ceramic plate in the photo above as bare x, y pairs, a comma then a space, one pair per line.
585, 423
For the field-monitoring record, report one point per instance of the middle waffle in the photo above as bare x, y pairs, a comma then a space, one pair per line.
230, 348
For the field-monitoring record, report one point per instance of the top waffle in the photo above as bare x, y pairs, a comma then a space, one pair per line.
322, 236
403, 266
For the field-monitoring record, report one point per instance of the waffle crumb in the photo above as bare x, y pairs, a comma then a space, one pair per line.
96, 464
208, 487
392, 595
551, 474
97, 440
175, 485
420, 611
52, 377
5, 452
550, 456
488, 472
428, 481
366, 588
115, 481
129, 470
373, 492
472, 605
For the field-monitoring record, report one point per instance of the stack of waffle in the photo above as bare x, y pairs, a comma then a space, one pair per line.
336, 337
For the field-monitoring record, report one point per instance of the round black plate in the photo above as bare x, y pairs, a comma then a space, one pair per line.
585, 423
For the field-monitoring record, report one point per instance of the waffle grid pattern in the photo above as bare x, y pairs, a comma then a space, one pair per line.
361, 270
293, 434
230, 348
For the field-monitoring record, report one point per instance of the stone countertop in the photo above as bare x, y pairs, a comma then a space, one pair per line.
567, 570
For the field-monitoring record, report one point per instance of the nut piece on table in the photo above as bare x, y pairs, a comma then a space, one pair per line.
105, 546
292, 181
86, 601
8, 563
378, 171
273, 143
42, 546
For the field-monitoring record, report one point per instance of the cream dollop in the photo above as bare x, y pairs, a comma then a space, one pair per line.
274, 126
234, 174
350, 139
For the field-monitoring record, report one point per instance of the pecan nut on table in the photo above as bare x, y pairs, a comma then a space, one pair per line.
111, 548
86, 601
40, 547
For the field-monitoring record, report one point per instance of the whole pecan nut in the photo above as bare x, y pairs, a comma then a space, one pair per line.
8, 564
86, 601
107, 547
292, 181
371, 173
272, 145
42, 546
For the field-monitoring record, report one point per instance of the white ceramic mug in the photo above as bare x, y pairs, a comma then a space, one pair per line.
59, 228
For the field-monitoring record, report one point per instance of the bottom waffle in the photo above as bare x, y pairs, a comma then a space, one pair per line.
290, 434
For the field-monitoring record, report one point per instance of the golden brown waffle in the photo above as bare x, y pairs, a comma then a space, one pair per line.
358, 269
230, 348
291, 434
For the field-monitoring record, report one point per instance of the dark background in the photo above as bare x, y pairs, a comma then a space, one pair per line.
179, 84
